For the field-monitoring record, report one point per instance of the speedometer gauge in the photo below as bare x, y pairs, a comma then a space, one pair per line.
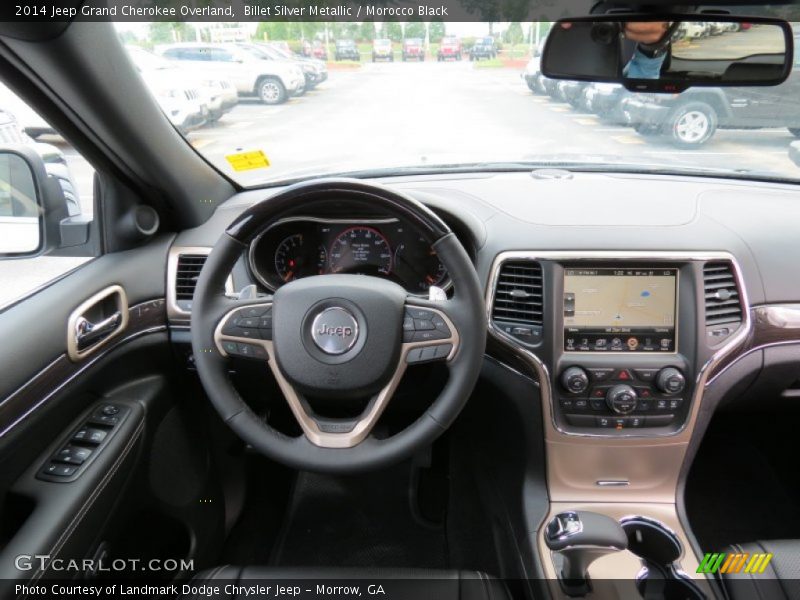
361, 250
295, 258
419, 266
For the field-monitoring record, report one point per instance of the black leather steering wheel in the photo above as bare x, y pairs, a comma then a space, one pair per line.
338, 336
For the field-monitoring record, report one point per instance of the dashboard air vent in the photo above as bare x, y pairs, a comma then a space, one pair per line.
722, 301
519, 300
189, 267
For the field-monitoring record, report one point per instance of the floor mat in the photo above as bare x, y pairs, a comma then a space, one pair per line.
740, 481
356, 522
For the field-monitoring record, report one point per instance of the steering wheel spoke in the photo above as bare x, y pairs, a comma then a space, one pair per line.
335, 433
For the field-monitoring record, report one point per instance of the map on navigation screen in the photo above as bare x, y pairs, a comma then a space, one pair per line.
616, 299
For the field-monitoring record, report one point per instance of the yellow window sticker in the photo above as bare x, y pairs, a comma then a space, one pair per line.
245, 161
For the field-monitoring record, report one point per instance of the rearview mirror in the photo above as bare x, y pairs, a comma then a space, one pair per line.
670, 53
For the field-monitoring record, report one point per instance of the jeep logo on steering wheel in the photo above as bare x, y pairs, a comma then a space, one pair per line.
334, 330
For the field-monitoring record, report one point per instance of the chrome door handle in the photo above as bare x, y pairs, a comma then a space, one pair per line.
85, 336
88, 333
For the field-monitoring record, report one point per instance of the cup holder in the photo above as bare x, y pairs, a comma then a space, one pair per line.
659, 549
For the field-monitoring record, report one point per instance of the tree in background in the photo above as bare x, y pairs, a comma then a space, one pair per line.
366, 32
415, 29
393, 31
168, 33
513, 34
437, 31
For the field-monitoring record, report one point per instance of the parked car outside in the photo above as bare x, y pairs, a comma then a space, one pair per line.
217, 95
314, 76
606, 101
382, 50
319, 51
346, 50
310, 71
571, 91
483, 48
530, 75
449, 48
413, 48
690, 119
271, 81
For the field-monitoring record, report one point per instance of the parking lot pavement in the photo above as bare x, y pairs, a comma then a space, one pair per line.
407, 113
395, 114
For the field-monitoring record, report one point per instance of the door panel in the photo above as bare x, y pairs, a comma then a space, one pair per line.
36, 327
50, 402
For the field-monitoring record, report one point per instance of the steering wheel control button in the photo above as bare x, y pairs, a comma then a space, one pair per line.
420, 313
428, 353
334, 330
422, 325
255, 311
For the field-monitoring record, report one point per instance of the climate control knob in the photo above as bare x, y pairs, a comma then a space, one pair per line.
575, 380
670, 381
621, 399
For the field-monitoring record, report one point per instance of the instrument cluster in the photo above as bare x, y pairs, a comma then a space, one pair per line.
304, 246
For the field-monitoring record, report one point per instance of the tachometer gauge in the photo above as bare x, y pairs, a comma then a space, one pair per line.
419, 266
295, 258
361, 250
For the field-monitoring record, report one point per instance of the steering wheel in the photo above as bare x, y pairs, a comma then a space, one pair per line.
339, 337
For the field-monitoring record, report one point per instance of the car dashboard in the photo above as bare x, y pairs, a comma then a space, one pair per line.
631, 302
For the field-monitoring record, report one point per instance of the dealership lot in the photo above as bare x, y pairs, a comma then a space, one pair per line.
478, 114
485, 114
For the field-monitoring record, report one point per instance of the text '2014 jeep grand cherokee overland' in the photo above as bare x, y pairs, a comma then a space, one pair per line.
428, 330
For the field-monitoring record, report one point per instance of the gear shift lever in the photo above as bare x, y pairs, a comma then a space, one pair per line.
577, 539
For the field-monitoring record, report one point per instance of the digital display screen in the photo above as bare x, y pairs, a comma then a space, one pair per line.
619, 310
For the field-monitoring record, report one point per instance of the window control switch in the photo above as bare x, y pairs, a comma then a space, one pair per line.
73, 455
91, 435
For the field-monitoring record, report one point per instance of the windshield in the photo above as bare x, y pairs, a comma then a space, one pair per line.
378, 109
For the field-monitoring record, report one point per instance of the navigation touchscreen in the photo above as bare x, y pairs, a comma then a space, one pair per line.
619, 310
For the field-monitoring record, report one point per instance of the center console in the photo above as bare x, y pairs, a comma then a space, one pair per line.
621, 345
621, 339
619, 365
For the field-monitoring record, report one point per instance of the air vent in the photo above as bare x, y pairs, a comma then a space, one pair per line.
723, 304
189, 267
518, 300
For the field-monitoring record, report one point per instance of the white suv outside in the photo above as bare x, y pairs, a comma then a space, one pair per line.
273, 82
